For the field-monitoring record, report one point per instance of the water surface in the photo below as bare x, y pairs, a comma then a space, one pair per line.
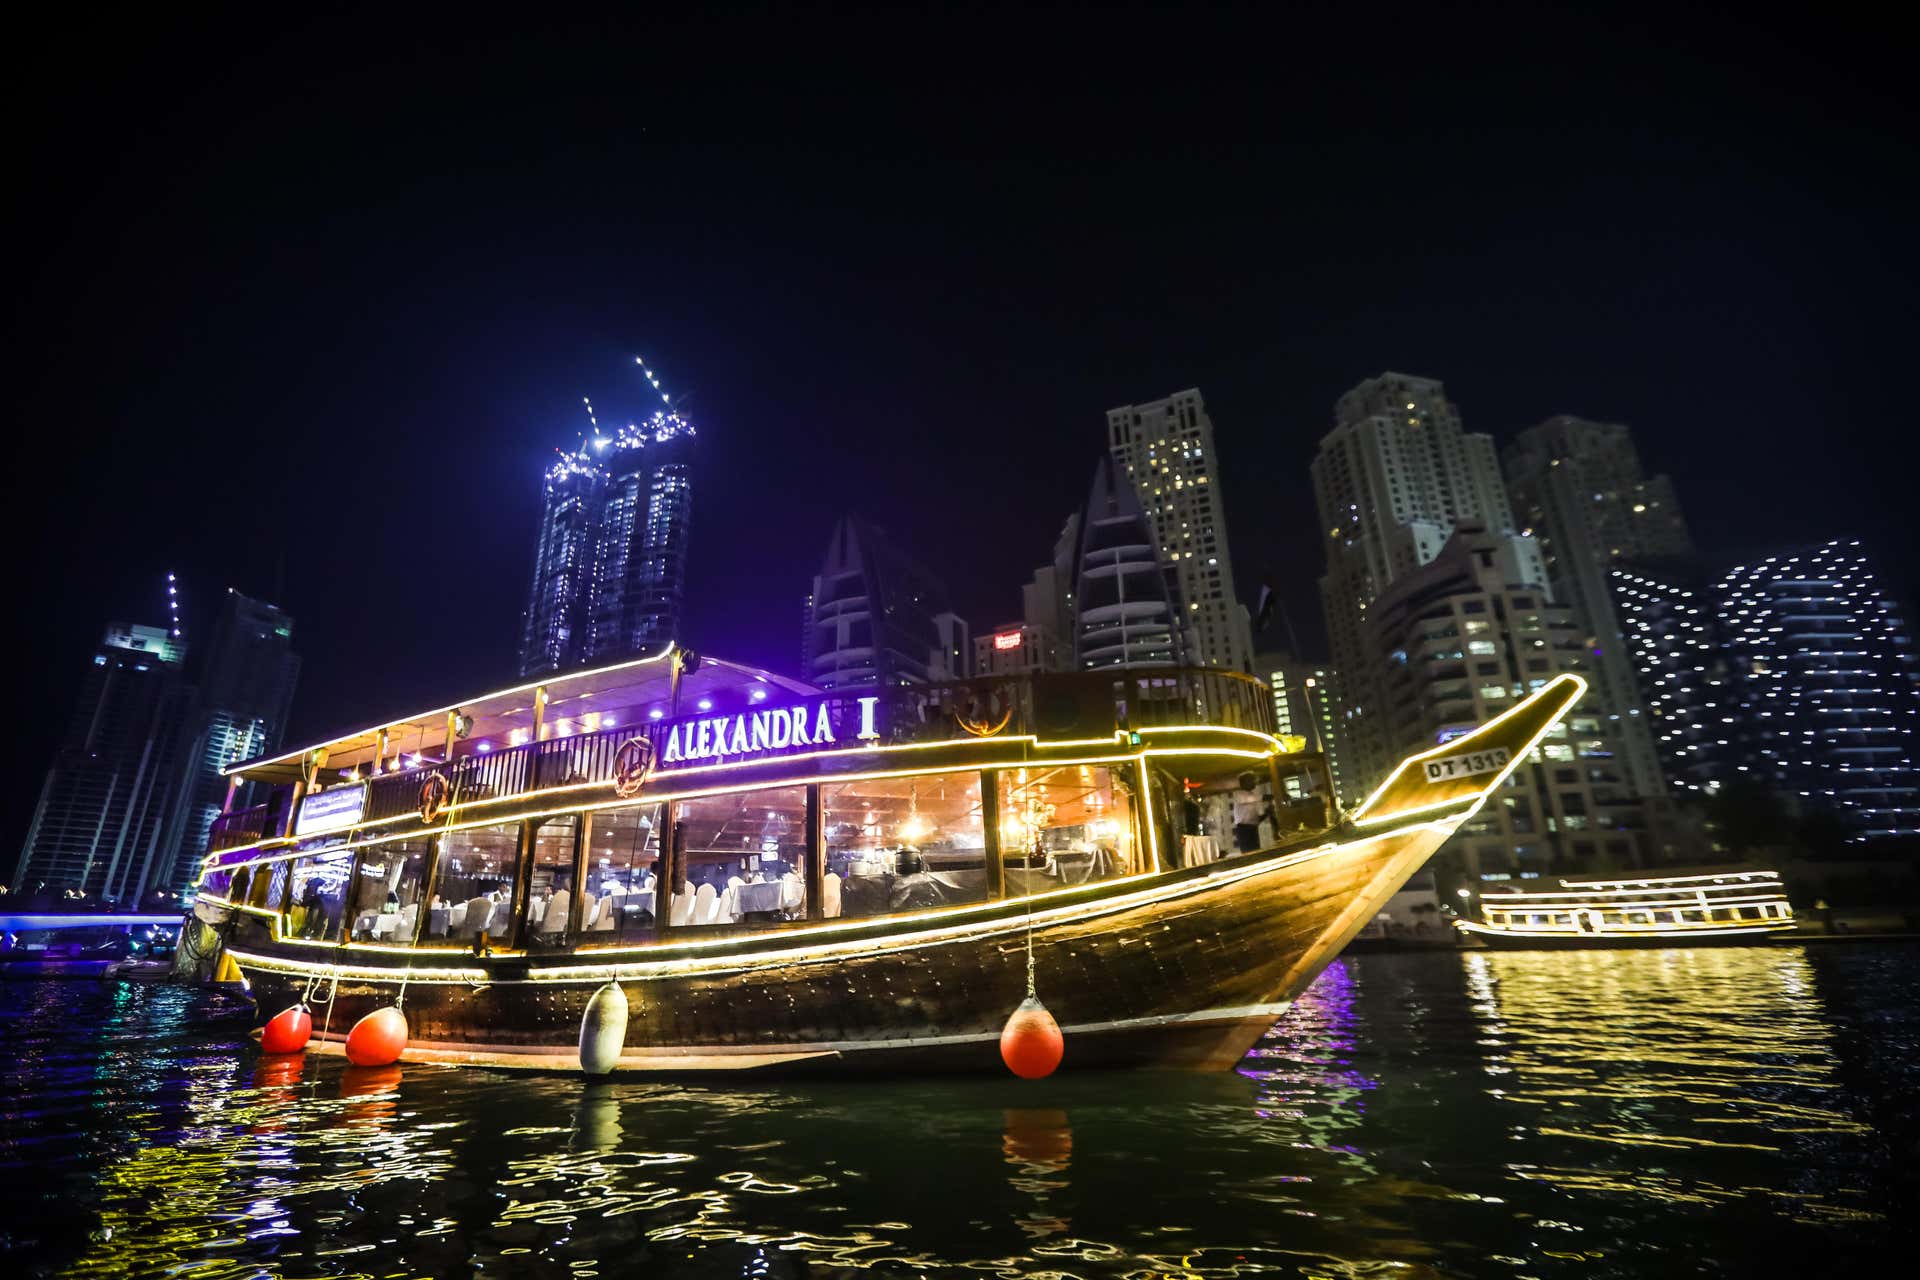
1726, 1111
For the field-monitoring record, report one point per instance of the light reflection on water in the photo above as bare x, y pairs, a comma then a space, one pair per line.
1588, 1113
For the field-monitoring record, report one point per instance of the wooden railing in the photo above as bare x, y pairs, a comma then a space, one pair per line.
241, 826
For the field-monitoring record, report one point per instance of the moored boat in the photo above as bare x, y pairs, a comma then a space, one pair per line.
79, 944
1728, 905
780, 878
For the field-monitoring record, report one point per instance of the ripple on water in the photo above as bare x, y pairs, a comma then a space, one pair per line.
1414, 1116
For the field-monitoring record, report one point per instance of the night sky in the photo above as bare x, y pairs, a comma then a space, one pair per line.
306, 312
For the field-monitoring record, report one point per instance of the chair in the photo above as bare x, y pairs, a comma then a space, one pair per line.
606, 914
706, 905
409, 916
681, 911
830, 896
554, 920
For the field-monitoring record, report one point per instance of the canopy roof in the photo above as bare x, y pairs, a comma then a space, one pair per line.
633, 687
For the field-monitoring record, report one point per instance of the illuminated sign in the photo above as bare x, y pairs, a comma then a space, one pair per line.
1007, 640
1492, 760
813, 724
334, 810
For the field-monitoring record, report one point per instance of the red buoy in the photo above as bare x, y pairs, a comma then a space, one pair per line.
377, 1039
1030, 1043
287, 1031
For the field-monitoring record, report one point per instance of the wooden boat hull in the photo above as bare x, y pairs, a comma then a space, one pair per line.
1185, 969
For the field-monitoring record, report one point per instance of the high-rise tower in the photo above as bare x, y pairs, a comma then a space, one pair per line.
1393, 480
1825, 684
1579, 489
245, 695
1127, 609
1165, 450
610, 563
876, 616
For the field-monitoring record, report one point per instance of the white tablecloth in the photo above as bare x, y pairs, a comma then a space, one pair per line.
769, 895
1198, 850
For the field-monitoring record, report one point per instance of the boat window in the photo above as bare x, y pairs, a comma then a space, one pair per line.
320, 895
903, 844
385, 905
742, 858
621, 869
269, 887
475, 882
550, 889
1063, 826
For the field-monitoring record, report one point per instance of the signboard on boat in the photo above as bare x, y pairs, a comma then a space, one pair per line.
832, 722
334, 810
1467, 764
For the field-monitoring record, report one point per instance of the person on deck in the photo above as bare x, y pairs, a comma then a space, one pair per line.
1248, 808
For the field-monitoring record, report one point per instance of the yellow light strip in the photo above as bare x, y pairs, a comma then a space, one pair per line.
1456, 747
1756, 926
1654, 884
1500, 902
278, 964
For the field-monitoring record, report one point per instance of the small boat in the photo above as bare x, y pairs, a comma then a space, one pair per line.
1736, 905
88, 944
772, 877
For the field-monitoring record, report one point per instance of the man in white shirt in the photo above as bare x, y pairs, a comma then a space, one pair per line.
1248, 808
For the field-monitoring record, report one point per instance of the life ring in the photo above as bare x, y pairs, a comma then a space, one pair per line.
434, 794
632, 766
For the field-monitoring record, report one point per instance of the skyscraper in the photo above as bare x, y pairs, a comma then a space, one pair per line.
1824, 680
1579, 489
1458, 641
109, 816
1165, 449
135, 783
610, 562
876, 616
1127, 609
244, 697
1393, 480
1678, 651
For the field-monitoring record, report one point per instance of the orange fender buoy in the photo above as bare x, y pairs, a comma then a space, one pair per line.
377, 1039
287, 1031
1030, 1043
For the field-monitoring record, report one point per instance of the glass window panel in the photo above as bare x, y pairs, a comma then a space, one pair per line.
269, 886
621, 868
903, 844
550, 890
1064, 826
732, 846
320, 895
475, 882
385, 901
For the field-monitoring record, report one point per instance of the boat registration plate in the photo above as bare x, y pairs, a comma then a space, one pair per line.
1467, 764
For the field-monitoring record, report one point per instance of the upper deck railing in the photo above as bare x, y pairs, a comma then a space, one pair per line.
1046, 705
